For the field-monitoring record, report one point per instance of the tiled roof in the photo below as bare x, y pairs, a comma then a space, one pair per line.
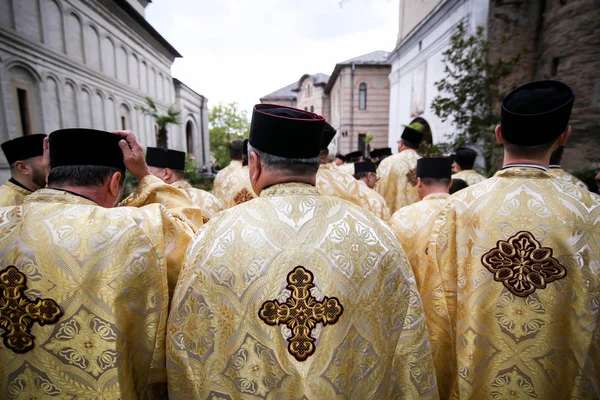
289, 92
375, 57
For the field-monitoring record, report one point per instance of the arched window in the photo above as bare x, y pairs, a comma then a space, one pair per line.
362, 96
189, 137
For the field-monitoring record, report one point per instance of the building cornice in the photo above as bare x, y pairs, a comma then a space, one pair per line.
426, 25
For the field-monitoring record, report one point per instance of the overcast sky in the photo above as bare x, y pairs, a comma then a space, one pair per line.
240, 50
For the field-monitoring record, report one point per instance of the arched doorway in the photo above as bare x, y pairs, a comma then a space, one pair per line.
427, 136
189, 137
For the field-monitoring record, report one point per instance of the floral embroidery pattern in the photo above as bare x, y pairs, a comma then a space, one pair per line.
301, 312
18, 313
411, 176
243, 196
522, 265
87, 342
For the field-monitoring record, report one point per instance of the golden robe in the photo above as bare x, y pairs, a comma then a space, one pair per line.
234, 186
563, 175
347, 168
208, 203
222, 186
412, 226
12, 194
334, 182
398, 179
515, 288
152, 190
470, 176
96, 282
297, 294
377, 203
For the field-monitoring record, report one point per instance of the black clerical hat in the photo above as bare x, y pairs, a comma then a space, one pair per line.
412, 136
85, 147
536, 113
286, 132
165, 158
386, 151
365, 166
354, 156
465, 157
340, 156
328, 134
434, 167
23, 147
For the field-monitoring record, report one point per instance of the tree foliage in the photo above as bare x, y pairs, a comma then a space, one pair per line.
227, 122
470, 90
162, 120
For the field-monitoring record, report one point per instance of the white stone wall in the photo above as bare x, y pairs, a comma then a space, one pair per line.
411, 58
194, 124
84, 63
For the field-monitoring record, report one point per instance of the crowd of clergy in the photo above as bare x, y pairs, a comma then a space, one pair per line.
302, 275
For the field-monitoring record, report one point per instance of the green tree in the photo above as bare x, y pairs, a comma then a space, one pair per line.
227, 122
162, 120
470, 90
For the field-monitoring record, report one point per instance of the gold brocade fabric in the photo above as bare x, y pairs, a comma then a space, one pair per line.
376, 202
208, 203
232, 185
347, 168
221, 185
469, 176
151, 190
107, 270
563, 175
412, 226
297, 295
12, 195
514, 278
235, 187
334, 182
398, 180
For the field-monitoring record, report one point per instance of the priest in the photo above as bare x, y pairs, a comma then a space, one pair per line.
365, 172
222, 186
378, 155
334, 182
28, 168
169, 166
558, 172
84, 286
397, 174
462, 167
412, 224
516, 261
296, 294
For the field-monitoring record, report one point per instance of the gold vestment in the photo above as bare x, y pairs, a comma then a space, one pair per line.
470, 176
208, 203
354, 325
398, 179
12, 195
514, 288
563, 175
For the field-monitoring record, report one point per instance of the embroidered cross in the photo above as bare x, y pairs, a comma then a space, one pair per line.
301, 312
18, 313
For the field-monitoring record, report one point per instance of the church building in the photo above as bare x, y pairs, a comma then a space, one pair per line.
91, 64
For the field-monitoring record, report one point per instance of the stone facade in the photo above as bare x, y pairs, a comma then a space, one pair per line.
556, 39
354, 100
84, 63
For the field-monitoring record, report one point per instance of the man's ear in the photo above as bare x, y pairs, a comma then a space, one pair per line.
499, 137
564, 137
419, 183
114, 184
254, 166
167, 174
22, 167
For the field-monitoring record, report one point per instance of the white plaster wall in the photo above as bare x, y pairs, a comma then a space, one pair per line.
434, 41
86, 65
